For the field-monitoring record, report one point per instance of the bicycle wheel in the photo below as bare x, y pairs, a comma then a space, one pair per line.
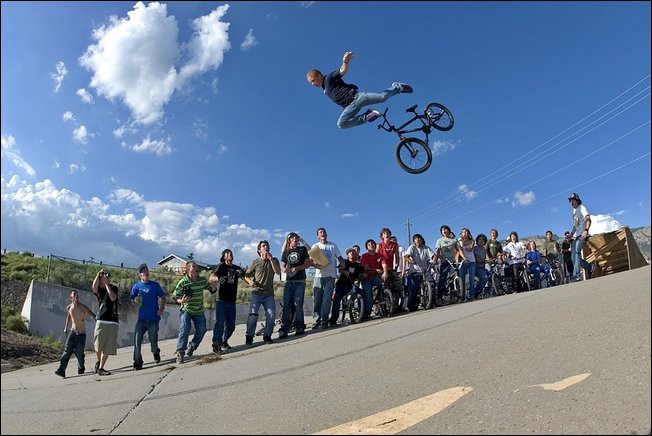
413, 155
439, 117
356, 309
426, 295
496, 284
555, 277
525, 280
387, 303
458, 287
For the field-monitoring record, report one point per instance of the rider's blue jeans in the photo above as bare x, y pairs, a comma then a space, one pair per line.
225, 312
151, 327
269, 305
578, 261
184, 331
293, 293
483, 275
350, 118
367, 293
469, 290
322, 294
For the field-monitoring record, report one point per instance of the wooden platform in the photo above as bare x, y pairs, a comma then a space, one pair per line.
613, 252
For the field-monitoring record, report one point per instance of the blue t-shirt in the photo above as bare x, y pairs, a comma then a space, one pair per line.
149, 295
533, 256
337, 90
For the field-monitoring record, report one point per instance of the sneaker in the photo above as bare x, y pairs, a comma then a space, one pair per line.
189, 351
249, 340
332, 324
316, 326
103, 371
60, 373
404, 88
179, 357
157, 357
371, 116
81, 371
268, 340
282, 335
97, 367
216, 349
225, 346
324, 326
299, 332
137, 366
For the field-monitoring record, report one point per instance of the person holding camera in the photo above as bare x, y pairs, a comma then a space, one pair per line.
189, 293
105, 338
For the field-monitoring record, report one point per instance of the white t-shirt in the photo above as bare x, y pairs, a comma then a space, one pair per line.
517, 251
421, 256
331, 251
578, 220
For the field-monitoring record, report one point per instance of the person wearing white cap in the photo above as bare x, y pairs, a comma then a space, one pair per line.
580, 231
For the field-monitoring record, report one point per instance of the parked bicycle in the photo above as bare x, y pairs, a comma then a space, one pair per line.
497, 280
382, 300
413, 154
552, 273
453, 288
353, 306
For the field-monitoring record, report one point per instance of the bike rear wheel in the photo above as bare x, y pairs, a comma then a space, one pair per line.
356, 308
413, 155
497, 285
555, 277
439, 117
426, 294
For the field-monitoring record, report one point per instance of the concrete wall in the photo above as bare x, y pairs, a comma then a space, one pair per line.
45, 310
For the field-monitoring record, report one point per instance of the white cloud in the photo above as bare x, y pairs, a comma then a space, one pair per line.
134, 57
56, 165
160, 147
272, 16
442, 147
68, 116
80, 134
523, 199
468, 193
124, 228
603, 223
85, 96
13, 154
123, 130
349, 215
327, 204
74, 168
640, 203
250, 41
307, 4
620, 212
502, 200
59, 75
200, 129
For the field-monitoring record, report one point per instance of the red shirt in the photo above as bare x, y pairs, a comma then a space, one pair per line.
373, 261
388, 251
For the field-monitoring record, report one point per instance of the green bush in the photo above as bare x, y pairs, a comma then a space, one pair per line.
6, 312
15, 323
51, 340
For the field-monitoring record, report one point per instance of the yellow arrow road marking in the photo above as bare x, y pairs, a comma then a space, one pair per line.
399, 418
563, 384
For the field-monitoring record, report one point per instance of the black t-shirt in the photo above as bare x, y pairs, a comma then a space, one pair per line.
108, 310
295, 257
354, 269
337, 90
565, 245
228, 275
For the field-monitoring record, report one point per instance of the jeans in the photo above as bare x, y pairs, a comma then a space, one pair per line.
184, 331
444, 268
469, 291
483, 275
224, 321
367, 293
350, 118
74, 344
142, 326
268, 303
413, 284
340, 292
535, 270
293, 293
322, 294
578, 261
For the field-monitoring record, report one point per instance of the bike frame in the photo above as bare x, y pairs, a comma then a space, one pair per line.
400, 131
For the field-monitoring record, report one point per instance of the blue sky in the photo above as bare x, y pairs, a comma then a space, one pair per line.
134, 130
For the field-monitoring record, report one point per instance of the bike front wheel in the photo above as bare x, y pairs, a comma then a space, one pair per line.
439, 117
356, 308
413, 155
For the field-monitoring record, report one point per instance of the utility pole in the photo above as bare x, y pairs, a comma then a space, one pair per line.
409, 235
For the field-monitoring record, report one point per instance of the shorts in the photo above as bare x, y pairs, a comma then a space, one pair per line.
105, 339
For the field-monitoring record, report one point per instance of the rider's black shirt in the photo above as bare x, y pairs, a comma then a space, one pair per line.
337, 90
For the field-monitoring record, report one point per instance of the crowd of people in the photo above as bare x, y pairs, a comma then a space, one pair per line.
334, 277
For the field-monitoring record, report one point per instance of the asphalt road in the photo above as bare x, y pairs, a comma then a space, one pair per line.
587, 343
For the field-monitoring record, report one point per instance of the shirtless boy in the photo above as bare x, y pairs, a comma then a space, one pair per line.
76, 312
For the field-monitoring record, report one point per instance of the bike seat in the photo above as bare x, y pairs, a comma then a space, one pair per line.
411, 108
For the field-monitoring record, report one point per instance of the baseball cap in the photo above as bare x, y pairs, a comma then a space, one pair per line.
142, 267
350, 249
574, 196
